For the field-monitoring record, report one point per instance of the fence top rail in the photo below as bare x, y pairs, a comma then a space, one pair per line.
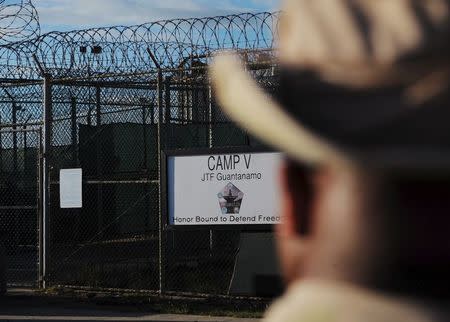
22, 127
9, 82
151, 75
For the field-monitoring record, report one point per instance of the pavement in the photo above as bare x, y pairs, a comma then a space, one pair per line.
23, 305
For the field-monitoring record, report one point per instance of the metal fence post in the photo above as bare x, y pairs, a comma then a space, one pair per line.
160, 103
160, 89
167, 99
40, 205
210, 145
45, 186
73, 129
98, 158
1, 148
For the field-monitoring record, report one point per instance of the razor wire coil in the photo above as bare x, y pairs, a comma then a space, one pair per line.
177, 43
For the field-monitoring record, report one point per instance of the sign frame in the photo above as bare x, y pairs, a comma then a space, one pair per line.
166, 154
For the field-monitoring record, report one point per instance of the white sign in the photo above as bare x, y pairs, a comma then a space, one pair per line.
70, 188
224, 189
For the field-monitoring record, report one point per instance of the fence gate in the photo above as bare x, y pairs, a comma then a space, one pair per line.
19, 203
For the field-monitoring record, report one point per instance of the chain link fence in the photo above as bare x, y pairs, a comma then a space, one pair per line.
112, 130
202, 261
19, 221
20, 179
109, 101
109, 130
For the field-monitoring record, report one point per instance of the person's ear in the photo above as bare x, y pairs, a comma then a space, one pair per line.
297, 195
293, 233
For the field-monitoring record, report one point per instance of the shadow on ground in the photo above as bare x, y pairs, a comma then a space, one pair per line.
26, 305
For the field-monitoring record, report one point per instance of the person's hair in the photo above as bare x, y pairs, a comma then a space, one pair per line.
415, 258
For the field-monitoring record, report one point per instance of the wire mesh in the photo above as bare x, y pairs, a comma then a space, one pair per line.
111, 131
112, 242
202, 261
117, 97
19, 209
20, 148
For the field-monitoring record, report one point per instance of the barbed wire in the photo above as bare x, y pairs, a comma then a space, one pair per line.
133, 49
19, 21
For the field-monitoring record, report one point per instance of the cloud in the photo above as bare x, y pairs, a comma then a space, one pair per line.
77, 14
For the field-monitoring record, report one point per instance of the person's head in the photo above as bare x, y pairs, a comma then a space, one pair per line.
386, 230
362, 112
329, 222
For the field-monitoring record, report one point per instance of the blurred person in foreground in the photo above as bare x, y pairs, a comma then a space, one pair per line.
363, 117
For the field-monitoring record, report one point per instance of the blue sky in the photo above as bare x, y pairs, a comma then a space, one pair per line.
76, 14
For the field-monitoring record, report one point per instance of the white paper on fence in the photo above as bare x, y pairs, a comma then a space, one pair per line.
70, 188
